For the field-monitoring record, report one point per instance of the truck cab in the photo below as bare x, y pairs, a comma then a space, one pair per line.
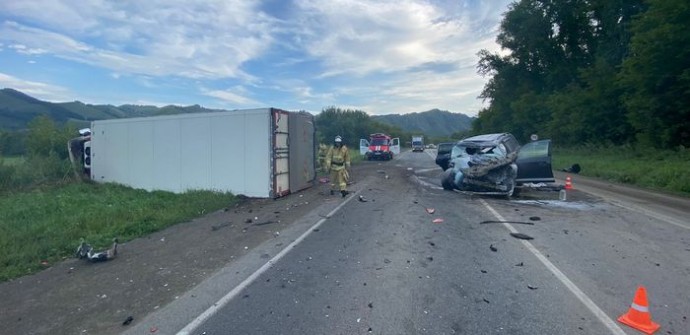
379, 146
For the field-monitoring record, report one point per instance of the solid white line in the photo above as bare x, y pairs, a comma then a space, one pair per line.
189, 328
605, 319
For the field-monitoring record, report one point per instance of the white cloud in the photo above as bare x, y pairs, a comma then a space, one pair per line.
35, 89
183, 38
237, 97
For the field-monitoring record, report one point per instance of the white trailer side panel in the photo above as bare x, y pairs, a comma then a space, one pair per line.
224, 151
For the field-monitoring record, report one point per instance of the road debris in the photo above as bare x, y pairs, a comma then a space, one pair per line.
534, 218
85, 251
521, 236
532, 287
520, 264
430, 210
515, 222
362, 199
264, 223
128, 320
437, 220
494, 249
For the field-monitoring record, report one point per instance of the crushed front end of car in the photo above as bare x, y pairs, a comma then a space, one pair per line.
482, 167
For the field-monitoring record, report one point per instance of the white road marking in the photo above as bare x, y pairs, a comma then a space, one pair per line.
236, 291
605, 319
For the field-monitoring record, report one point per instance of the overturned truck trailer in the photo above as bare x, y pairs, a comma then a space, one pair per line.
264, 153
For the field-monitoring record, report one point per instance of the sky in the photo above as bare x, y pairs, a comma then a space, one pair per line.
378, 56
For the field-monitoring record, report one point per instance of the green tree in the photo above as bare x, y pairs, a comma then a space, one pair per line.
656, 75
45, 138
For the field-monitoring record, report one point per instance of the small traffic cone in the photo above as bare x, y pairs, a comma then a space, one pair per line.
568, 183
638, 315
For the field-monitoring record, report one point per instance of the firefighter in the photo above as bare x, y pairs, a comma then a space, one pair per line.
338, 161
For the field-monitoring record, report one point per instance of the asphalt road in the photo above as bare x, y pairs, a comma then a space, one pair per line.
381, 265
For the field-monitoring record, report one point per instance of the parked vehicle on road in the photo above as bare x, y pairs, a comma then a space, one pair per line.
497, 164
379, 146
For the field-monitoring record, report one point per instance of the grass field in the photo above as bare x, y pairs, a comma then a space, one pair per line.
13, 161
667, 170
46, 224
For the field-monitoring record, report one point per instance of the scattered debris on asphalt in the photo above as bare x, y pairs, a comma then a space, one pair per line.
264, 223
128, 320
483, 271
430, 210
521, 236
438, 220
486, 300
520, 264
494, 249
515, 222
371, 305
362, 199
565, 231
532, 287
534, 218
386, 260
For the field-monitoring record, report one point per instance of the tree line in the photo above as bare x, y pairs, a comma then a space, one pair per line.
352, 125
602, 72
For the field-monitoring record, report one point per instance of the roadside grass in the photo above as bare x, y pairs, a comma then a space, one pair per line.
12, 160
45, 224
661, 170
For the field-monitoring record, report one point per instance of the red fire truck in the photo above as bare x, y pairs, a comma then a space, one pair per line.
379, 146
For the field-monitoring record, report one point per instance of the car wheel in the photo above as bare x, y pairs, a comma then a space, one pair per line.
447, 180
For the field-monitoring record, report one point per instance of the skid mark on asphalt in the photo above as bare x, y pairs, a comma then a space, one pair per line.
579, 294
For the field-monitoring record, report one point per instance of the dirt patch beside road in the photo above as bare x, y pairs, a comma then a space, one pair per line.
77, 297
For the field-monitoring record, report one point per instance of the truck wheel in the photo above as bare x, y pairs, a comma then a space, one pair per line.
447, 180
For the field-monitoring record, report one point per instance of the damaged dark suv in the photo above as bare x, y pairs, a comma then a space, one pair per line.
497, 164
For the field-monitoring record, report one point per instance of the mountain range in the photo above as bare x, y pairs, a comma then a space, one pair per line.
18, 109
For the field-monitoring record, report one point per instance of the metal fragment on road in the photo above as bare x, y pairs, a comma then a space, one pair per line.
514, 222
521, 236
494, 249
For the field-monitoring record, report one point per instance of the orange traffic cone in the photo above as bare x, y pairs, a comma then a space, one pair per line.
568, 183
638, 315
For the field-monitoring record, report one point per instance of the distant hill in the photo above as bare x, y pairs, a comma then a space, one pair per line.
434, 122
18, 109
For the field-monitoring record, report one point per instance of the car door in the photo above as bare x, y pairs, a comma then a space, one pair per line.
363, 146
534, 163
395, 145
